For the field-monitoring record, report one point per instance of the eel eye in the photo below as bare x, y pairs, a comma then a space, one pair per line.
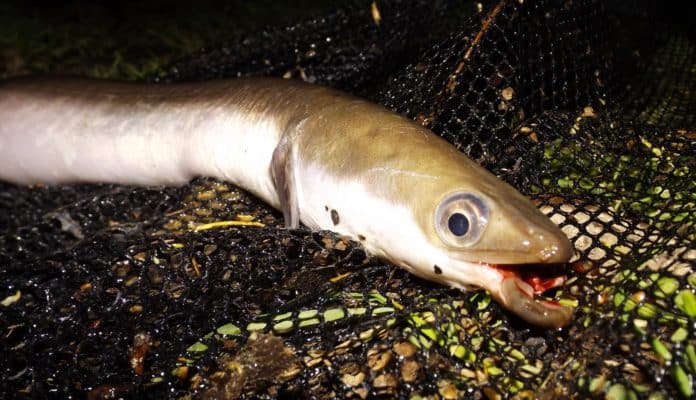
461, 218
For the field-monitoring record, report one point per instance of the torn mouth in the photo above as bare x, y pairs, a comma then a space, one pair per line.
519, 286
540, 277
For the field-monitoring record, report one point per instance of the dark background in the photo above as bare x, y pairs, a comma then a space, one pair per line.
127, 39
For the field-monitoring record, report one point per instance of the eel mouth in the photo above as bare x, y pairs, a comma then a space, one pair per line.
518, 289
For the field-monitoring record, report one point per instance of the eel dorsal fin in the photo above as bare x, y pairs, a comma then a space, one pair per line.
283, 175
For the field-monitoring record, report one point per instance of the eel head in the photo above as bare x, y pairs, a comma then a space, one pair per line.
485, 234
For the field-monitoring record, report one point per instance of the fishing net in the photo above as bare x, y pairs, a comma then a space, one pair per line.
197, 291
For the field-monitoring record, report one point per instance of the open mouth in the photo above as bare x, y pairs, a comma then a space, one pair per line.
518, 290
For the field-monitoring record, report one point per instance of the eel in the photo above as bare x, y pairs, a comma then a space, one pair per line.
324, 158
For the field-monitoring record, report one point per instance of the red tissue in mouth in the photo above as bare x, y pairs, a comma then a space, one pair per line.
520, 284
540, 277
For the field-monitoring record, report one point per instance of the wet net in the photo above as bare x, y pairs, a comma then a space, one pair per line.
198, 291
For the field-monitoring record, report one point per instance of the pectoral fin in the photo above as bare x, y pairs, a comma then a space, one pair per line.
283, 175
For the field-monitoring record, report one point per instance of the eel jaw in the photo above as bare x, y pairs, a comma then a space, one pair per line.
516, 292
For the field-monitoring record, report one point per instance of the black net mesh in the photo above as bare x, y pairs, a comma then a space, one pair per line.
110, 291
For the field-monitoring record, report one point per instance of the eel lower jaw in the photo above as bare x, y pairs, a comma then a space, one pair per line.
516, 292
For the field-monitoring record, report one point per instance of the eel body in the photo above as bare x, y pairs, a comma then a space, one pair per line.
326, 159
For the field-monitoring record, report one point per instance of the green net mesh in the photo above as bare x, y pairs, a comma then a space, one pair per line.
112, 291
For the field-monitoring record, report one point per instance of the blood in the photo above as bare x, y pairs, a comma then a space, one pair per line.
541, 284
540, 278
